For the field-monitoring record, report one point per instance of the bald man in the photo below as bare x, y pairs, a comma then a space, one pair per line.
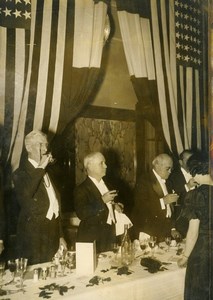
94, 204
153, 206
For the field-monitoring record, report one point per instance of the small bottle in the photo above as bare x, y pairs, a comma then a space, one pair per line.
126, 248
35, 275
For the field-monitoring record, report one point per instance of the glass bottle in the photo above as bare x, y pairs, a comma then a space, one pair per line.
127, 254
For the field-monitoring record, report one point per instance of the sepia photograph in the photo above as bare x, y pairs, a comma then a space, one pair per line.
106, 149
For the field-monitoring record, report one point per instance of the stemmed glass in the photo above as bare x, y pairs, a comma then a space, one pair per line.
143, 245
70, 260
168, 241
115, 249
21, 267
62, 262
152, 242
12, 268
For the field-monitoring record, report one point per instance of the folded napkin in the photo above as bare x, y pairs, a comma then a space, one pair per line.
143, 236
121, 220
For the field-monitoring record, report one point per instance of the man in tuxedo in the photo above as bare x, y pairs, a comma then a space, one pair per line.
153, 207
181, 181
94, 205
39, 230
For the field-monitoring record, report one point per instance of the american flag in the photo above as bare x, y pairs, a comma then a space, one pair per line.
189, 54
162, 42
50, 53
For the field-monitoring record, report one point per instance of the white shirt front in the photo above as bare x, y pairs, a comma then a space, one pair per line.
162, 183
53, 201
101, 186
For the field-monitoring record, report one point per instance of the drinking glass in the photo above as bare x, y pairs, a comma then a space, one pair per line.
115, 249
143, 245
168, 240
152, 242
63, 262
70, 260
12, 268
2, 270
21, 267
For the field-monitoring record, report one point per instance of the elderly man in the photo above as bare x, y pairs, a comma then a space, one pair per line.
94, 205
153, 209
39, 231
182, 182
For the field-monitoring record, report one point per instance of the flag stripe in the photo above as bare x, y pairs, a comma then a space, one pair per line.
58, 67
189, 103
198, 114
159, 72
43, 66
19, 79
18, 144
3, 37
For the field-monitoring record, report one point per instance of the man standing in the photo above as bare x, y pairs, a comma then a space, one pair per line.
94, 205
39, 231
182, 182
153, 209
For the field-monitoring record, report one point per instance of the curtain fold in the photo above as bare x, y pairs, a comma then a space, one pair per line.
55, 57
163, 51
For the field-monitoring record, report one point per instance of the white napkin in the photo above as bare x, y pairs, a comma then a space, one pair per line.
143, 236
121, 220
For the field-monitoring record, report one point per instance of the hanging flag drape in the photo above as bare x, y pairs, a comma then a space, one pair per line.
150, 35
50, 56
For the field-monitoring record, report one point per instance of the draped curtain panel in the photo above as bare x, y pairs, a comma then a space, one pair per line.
163, 45
50, 57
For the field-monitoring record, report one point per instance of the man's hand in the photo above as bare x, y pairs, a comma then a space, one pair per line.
119, 207
109, 196
192, 183
45, 160
170, 198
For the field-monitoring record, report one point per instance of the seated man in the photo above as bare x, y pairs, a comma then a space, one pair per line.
153, 209
94, 205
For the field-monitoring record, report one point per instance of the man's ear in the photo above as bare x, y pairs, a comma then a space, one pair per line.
180, 162
28, 148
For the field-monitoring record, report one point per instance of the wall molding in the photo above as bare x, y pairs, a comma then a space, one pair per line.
108, 113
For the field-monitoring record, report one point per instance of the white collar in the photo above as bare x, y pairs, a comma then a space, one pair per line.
158, 177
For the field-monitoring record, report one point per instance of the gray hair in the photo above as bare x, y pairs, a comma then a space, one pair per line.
89, 158
158, 160
32, 137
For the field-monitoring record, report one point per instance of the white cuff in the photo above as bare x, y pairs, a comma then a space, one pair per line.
162, 204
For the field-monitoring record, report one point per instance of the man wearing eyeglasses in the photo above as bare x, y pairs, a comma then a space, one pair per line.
39, 231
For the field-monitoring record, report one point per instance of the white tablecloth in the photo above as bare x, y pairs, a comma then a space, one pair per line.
139, 285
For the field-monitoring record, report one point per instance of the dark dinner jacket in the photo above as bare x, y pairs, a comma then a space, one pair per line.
37, 237
147, 214
2, 211
92, 212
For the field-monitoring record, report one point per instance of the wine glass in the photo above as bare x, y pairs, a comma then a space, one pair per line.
63, 262
70, 260
21, 267
152, 242
143, 245
12, 268
168, 241
2, 270
115, 249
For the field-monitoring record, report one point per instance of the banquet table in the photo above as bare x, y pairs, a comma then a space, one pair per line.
137, 284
